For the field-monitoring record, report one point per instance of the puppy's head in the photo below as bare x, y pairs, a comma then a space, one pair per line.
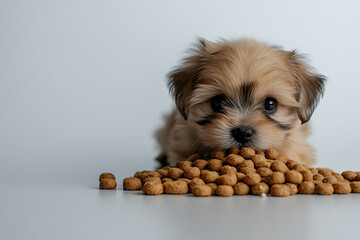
244, 93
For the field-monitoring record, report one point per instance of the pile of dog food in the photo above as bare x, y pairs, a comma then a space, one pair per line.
240, 172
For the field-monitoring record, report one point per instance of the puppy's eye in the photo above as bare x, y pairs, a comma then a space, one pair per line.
270, 105
218, 102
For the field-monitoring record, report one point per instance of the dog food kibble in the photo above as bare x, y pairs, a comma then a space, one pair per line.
200, 164
293, 176
306, 187
355, 187
132, 183
150, 188
324, 189
239, 172
176, 187
224, 191
259, 189
279, 190
202, 191
107, 175
175, 173
107, 183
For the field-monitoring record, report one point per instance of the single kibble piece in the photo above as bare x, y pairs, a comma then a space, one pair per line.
293, 176
233, 159
264, 172
107, 183
213, 187
184, 165
227, 179
233, 151
148, 174
279, 190
194, 182
252, 179
241, 189
192, 172
260, 161
325, 172
202, 191
240, 176
247, 152
279, 166
291, 163
306, 187
175, 173
107, 175
218, 154
163, 172
156, 180
247, 170
355, 186
342, 188
258, 152
137, 174
314, 171
188, 181
193, 157
227, 169
166, 180
330, 179
307, 175
324, 189
200, 164
349, 175
214, 164
276, 178
176, 187
357, 178
318, 178
292, 187
132, 183
260, 188
209, 176
281, 158
299, 167
271, 153
246, 163
224, 191
150, 188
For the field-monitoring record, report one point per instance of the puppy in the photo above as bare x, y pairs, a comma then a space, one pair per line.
240, 93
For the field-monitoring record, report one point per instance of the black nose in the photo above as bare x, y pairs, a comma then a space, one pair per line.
242, 134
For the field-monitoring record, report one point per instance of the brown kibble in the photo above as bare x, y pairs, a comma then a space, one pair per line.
148, 174
227, 169
163, 172
307, 175
342, 188
200, 164
306, 187
175, 173
314, 171
260, 161
291, 163
293, 176
233, 159
188, 181
137, 174
271, 153
176, 187
166, 180
292, 187
150, 188
338, 176
214, 164
184, 165
260, 188
281, 158
213, 187
264, 172
247, 152
247, 170
107, 183
279, 190
156, 180
209, 176
276, 178
258, 152
193, 157
194, 182
107, 175
224, 191
233, 151
324, 189
240, 176
241, 189
357, 178
330, 179
218, 154
132, 183
227, 179
318, 178
325, 172
299, 167
355, 186
252, 179
246, 163
202, 190
192, 172
349, 175
279, 166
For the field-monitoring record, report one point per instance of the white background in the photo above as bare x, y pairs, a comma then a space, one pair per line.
83, 83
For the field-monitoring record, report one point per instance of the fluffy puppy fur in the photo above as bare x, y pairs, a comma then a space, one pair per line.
240, 93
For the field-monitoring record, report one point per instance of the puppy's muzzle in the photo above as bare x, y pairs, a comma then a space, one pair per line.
242, 134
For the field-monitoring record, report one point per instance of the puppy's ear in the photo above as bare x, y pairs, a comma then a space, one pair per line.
310, 86
183, 79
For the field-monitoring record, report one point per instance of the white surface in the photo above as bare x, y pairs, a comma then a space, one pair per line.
82, 89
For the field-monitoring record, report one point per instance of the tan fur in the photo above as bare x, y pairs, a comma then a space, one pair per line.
222, 68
